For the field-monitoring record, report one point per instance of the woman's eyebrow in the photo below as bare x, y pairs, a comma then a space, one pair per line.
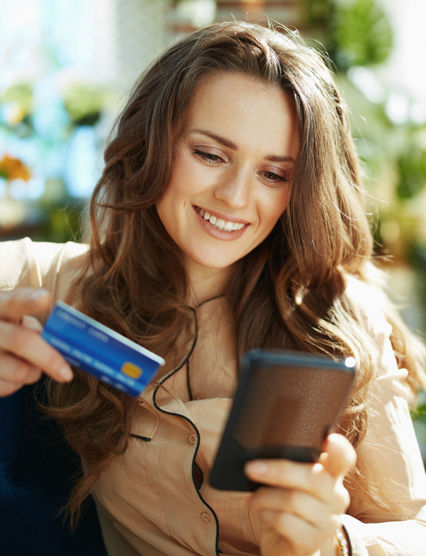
231, 145
218, 138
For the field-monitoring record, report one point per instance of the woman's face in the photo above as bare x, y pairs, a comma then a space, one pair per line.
231, 171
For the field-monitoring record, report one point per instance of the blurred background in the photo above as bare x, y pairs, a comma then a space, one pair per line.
68, 66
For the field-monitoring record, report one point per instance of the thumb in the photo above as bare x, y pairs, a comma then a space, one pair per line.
339, 455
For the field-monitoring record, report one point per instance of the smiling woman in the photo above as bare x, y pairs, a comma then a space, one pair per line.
229, 216
230, 179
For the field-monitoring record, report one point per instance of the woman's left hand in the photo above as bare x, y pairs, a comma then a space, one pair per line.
299, 510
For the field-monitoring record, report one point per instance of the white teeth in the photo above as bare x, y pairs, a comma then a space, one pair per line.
219, 223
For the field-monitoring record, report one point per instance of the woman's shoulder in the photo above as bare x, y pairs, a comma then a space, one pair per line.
368, 298
27, 263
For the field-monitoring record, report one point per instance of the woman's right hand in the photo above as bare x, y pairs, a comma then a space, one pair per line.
24, 355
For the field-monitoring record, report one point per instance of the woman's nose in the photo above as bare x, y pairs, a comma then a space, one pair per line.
234, 189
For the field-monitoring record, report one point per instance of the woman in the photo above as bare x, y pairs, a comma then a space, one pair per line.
229, 216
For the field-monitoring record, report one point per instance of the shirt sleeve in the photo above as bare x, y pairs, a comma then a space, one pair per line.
388, 498
54, 266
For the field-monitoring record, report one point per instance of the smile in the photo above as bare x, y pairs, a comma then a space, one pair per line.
219, 223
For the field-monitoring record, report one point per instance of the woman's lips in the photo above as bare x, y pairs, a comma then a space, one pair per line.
220, 226
221, 222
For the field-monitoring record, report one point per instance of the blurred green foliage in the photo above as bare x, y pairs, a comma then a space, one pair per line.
354, 32
362, 35
62, 220
411, 166
22, 93
19, 98
43, 128
357, 37
84, 103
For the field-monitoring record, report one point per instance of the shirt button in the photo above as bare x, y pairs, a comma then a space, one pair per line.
192, 439
205, 516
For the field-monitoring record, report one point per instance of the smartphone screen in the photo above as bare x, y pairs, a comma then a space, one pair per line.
285, 405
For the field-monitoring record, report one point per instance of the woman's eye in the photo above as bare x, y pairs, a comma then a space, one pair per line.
209, 157
273, 177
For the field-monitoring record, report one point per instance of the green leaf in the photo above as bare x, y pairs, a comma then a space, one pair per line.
363, 34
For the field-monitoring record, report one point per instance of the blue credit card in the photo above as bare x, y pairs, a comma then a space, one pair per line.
100, 351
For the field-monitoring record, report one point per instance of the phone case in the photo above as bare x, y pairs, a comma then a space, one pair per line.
285, 405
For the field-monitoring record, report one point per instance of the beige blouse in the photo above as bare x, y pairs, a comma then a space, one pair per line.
150, 500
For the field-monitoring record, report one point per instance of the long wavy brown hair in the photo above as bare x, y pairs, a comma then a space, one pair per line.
290, 292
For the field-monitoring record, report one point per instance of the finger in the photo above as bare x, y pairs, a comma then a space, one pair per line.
29, 345
307, 477
339, 455
23, 301
17, 370
8, 388
300, 536
320, 513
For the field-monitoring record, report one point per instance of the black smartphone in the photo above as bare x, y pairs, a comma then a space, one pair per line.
284, 406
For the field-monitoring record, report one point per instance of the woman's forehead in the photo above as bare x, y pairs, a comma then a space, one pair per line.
241, 107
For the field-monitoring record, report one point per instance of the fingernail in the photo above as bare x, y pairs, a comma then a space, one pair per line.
257, 468
66, 373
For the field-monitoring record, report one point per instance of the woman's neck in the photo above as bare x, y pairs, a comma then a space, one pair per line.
206, 283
